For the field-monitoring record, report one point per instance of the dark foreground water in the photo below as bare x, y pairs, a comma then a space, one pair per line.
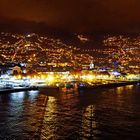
98, 114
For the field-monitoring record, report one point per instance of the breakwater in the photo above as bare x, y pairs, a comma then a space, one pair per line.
17, 89
109, 85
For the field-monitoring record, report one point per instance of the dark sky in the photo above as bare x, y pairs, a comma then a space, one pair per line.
76, 15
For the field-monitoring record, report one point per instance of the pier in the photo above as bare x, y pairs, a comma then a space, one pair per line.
17, 89
109, 85
76, 85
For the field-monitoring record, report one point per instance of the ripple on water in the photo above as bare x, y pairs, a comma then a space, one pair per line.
108, 114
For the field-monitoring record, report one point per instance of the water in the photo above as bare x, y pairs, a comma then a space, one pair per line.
98, 114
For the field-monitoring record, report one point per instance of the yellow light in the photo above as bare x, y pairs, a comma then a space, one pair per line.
131, 76
29, 77
50, 78
18, 77
43, 77
106, 77
64, 77
90, 77
76, 76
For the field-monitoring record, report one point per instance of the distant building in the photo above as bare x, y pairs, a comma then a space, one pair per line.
16, 70
91, 65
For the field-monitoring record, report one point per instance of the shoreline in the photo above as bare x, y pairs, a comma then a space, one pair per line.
110, 85
48, 89
17, 89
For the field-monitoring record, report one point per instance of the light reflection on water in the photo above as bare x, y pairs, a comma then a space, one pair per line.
97, 114
89, 124
17, 96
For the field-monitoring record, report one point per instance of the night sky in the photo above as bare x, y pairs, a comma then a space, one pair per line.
75, 15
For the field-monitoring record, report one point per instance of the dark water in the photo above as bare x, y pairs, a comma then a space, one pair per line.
99, 114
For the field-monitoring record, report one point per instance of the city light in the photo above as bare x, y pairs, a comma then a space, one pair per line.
50, 79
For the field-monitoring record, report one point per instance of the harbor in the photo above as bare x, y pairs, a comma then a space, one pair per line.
69, 70
74, 85
91, 114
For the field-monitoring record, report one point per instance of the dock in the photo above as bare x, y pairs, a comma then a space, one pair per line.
53, 90
10, 90
109, 85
